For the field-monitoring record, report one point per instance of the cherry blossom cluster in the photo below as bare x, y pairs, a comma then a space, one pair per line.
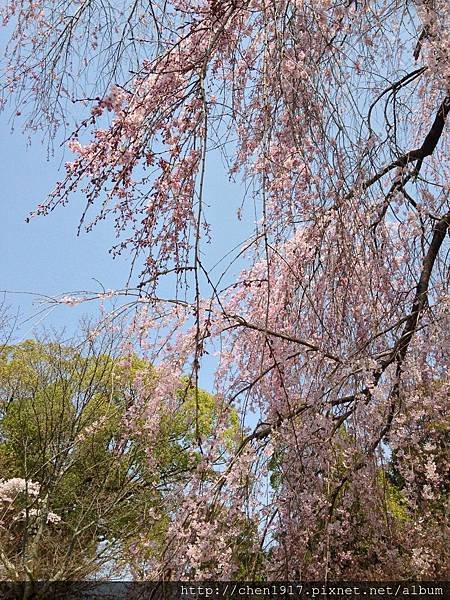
331, 343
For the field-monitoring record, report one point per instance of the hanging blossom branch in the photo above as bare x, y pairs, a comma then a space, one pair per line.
330, 344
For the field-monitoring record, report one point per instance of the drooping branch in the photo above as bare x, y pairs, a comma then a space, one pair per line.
419, 154
421, 297
397, 353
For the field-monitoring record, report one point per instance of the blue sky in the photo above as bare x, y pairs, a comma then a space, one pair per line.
46, 257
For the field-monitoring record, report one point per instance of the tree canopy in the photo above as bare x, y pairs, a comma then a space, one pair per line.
76, 484
331, 343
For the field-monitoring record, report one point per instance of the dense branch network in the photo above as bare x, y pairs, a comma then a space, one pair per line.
331, 343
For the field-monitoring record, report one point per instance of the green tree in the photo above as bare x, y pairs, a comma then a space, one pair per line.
77, 482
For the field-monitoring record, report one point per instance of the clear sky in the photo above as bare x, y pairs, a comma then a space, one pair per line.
45, 256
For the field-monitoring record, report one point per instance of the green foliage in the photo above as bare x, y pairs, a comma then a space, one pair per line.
394, 499
62, 425
275, 465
